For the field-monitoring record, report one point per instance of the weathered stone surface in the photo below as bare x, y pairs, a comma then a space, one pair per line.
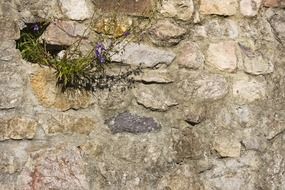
147, 56
274, 3
190, 56
12, 85
182, 10
194, 114
153, 97
203, 87
217, 29
277, 22
233, 174
218, 7
76, 10
8, 51
227, 146
181, 178
166, 33
132, 123
60, 167
67, 123
131, 7
17, 128
161, 76
250, 7
9, 29
248, 89
64, 32
254, 62
49, 95
222, 55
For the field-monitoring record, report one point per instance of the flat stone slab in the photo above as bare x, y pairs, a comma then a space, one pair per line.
132, 123
132, 7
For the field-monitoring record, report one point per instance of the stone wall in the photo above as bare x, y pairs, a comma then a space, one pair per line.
207, 113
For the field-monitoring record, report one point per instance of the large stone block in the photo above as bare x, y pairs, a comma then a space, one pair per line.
132, 7
218, 7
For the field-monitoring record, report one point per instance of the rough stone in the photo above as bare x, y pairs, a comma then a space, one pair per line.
132, 123
254, 62
12, 85
203, 87
250, 7
248, 89
60, 167
227, 146
161, 76
217, 29
274, 3
76, 10
277, 22
147, 56
130, 7
166, 33
67, 123
9, 29
17, 128
64, 32
153, 97
226, 7
182, 10
43, 83
194, 114
222, 55
190, 56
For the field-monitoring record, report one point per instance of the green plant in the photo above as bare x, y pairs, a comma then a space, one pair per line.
74, 70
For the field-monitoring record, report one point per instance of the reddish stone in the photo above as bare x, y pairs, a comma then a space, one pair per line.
274, 3
133, 7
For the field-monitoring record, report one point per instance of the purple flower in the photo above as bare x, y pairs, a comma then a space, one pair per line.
35, 27
126, 33
100, 53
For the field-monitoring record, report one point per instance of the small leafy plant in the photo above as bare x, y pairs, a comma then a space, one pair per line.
74, 70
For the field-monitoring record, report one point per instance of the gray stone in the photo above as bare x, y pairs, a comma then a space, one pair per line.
12, 85
203, 87
180, 9
9, 29
248, 89
161, 76
227, 146
76, 10
64, 32
190, 56
166, 33
132, 123
254, 62
277, 22
250, 7
153, 97
147, 56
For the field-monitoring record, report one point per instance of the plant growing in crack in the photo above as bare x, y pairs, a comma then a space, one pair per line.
77, 71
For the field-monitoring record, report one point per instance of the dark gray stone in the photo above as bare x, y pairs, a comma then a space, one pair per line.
132, 123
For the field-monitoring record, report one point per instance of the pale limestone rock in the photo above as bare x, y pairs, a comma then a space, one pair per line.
67, 123
147, 56
180, 9
166, 33
250, 8
277, 22
64, 32
153, 97
161, 76
222, 55
190, 56
17, 128
44, 86
274, 3
76, 10
227, 146
60, 167
202, 87
218, 7
248, 89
